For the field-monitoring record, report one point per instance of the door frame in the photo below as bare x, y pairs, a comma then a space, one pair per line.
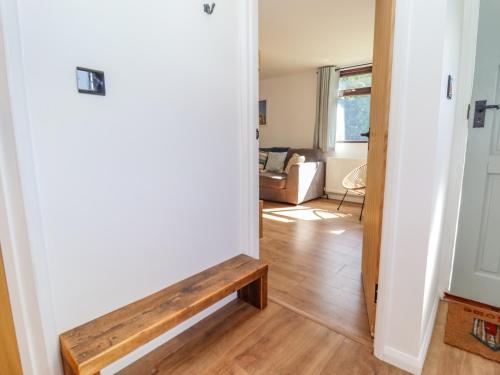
29, 291
249, 99
377, 153
459, 148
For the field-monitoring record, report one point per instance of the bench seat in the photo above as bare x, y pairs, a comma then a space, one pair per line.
96, 344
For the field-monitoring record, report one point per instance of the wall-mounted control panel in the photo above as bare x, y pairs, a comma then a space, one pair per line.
90, 81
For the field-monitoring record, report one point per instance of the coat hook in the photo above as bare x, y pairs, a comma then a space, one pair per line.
208, 9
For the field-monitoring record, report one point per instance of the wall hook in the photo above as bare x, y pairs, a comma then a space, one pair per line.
208, 9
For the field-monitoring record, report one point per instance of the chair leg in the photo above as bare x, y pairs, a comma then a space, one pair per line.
342, 201
362, 208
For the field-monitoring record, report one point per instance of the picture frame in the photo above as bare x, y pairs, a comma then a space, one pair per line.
263, 112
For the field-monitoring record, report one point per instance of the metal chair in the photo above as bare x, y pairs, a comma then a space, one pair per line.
355, 182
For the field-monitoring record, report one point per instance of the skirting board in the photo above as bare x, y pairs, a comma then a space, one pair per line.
405, 361
350, 198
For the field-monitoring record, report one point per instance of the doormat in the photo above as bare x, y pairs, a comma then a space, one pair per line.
473, 326
487, 333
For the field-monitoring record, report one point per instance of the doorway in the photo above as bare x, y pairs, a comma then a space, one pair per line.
325, 260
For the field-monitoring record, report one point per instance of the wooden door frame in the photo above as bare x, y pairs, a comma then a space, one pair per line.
10, 362
377, 152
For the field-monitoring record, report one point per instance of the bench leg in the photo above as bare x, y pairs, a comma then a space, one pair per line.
67, 368
69, 371
255, 293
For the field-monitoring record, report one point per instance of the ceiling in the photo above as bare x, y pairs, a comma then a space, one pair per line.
300, 35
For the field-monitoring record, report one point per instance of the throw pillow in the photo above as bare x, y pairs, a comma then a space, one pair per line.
276, 162
262, 160
295, 159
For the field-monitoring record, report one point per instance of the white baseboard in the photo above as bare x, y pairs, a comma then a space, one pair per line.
401, 360
410, 363
349, 198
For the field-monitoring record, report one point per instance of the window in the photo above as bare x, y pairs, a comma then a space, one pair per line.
353, 104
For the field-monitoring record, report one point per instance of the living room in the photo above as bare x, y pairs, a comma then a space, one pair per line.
314, 122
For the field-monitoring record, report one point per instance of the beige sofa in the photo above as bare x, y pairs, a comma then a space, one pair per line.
305, 181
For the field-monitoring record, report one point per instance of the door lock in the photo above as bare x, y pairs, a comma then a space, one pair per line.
480, 112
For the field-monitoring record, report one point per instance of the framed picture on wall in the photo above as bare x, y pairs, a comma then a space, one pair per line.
263, 112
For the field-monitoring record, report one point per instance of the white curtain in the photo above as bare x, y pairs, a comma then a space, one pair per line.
326, 109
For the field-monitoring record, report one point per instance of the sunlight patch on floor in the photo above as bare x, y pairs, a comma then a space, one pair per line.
338, 232
277, 218
302, 213
286, 209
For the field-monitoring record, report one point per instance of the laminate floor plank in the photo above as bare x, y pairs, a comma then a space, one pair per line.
314, 261
241, 340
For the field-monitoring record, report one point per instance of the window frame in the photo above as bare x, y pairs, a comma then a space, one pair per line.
356, 91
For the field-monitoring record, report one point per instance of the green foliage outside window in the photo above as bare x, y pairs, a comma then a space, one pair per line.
353, 111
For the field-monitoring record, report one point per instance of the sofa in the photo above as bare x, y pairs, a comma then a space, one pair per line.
304, 182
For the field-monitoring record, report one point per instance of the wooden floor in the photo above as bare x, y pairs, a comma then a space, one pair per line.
445, 359
314, 256
241, 340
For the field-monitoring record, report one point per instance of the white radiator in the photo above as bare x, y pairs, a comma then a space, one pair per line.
336, 169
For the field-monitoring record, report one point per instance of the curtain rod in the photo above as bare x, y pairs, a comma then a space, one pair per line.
352, 66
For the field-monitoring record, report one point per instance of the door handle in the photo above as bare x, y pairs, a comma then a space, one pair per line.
480, 112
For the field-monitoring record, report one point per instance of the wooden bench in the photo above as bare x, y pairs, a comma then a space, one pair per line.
94, 345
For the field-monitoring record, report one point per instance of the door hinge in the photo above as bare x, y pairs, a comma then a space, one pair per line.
468, 112
257, 134
376, 293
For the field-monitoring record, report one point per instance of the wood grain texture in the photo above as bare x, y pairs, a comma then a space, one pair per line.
238, 339
255, 293
446, 359
314, 256
377, 152
10, 362
94, 345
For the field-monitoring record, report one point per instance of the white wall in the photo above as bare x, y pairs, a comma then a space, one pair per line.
291, 110
351, 150
421, 128
133, 191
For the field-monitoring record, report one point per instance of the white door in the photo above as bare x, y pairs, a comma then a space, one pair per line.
476, 268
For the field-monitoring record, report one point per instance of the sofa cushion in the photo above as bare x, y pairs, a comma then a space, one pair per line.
272, 180
295, 159
276, 162
309, 153
262, 160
